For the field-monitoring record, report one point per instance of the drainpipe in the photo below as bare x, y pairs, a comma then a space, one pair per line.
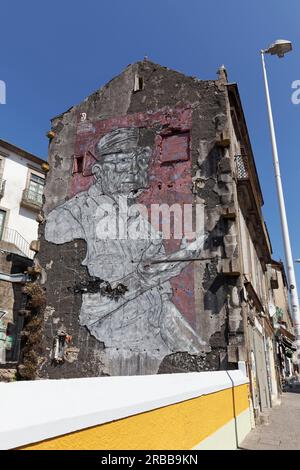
20, 277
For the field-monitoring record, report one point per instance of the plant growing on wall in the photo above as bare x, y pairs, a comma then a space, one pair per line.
31, 335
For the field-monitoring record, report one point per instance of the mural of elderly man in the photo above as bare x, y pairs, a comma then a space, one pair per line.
143, 322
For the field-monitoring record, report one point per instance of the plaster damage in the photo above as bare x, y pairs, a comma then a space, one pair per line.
142, 319
146, 305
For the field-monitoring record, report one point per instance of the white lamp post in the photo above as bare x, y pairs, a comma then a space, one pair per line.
280, 48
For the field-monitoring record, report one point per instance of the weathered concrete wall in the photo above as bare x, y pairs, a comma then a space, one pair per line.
124, 317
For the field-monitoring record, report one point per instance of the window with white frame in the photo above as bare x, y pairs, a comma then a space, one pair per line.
35, 188
2, 160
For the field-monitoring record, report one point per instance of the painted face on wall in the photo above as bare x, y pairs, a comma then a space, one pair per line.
122, 164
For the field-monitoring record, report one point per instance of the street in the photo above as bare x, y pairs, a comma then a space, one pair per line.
282, 430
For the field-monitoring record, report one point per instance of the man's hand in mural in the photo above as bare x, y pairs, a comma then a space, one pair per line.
156, 268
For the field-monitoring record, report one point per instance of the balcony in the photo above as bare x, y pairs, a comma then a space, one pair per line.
12, 242
242, 171
250, 202
32, 200
2, 187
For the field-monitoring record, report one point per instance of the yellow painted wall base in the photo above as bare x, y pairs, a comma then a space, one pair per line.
176, 427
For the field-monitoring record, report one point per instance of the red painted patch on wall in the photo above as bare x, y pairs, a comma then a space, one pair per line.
170, 176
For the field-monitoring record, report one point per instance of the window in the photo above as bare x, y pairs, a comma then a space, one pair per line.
2, 221
138, 83
2, 182
78, 166
2, 161
36, 188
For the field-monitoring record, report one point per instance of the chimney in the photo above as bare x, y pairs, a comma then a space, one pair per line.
222, 72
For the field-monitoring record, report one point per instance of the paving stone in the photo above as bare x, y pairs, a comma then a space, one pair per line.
282, 432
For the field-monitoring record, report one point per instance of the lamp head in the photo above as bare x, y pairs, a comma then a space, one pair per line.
279, 47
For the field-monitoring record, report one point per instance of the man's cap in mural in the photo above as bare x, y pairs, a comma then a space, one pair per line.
123, 140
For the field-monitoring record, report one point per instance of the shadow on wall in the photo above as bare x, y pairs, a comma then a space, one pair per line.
28, 214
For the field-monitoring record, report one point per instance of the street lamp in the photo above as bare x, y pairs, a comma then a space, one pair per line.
279, 48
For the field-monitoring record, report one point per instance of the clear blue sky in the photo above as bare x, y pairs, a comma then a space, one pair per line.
54, 54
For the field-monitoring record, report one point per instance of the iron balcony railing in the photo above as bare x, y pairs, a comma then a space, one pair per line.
13, 237
242, 170
32, 197
2, 187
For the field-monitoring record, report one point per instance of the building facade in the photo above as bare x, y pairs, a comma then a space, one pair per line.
21, 187
142, 297
282, 321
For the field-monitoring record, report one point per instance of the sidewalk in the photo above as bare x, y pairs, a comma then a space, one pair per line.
283, 430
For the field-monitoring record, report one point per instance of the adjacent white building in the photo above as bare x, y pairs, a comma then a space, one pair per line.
21, 193
21, 190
